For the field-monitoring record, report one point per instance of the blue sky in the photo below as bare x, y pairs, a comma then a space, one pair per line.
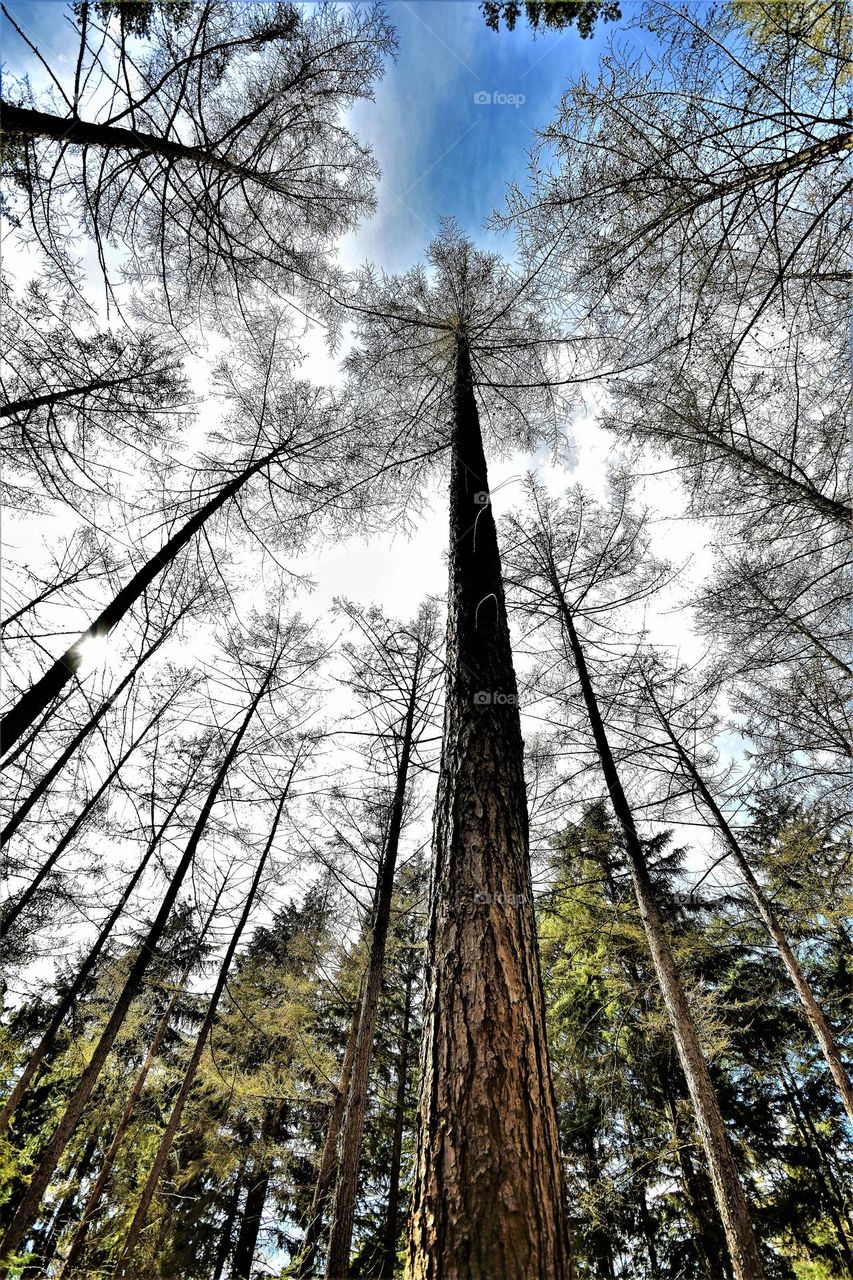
442, 151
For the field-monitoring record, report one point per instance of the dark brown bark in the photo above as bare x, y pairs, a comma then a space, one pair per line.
328, 1158
13, 911
352, 1128
728, 1192
124, 1265
39, 696
391, 1233
41, 1176
78, 1240
489, 1197
814, 1013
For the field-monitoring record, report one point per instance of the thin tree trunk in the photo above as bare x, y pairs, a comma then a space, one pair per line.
224, 1248
489, 1196
39, 696
327, 1169
13, 911
45, 1252
42, 1049
41, 1176
392, 1215
250, 1224
43, 785
836, 1203
352, 1129
125, 1260
78, 1240
728, 1192
814, 1013
708, 1237
73, 131
26, 403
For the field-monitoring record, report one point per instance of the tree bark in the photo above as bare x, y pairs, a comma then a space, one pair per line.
814, 1013
39, 696
489, 1196
352, 1128
42, 1174
326, 1172
728, 1192
392, 1214
124, 1264
42, 1049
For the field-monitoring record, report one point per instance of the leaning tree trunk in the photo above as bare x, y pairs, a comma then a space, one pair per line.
728, 1192
814, 1013
326, 1171
74, 1109
81, 1231
489, 1197
40, 1054
392, 1213
352, 1129
39, 696
124, 1264
46, 781
13, 911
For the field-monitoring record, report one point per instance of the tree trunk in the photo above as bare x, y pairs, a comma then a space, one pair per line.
708, 1235
352, 1129
64, 1213
728, 1192
836, 1203
328, 1158
13, 911
124, 1264
73, 131
27, 403
489, 1196
78, 1240
814, 1013
224, 1249
250, 1223
392, 1216
42, 1049
44, 783
41, 1176
39, 696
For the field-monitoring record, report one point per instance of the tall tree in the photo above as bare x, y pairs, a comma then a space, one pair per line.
560, 560
222, 128
489, 1191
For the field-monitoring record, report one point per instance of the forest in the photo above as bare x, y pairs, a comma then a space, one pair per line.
425, 732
